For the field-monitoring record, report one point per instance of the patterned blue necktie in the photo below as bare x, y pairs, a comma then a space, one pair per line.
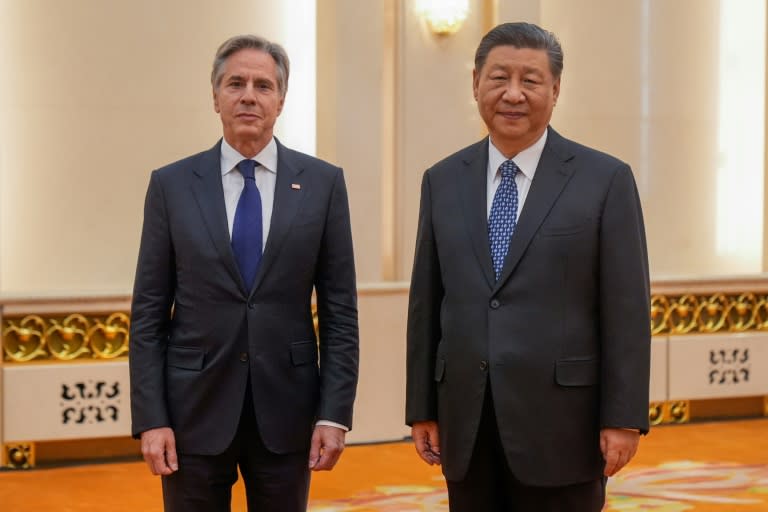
501, 222
247, 228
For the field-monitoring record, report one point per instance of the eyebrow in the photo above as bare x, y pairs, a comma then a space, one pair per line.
526, 69
258, 80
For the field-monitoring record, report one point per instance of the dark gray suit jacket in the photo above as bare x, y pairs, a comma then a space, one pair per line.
193, 321
563, 337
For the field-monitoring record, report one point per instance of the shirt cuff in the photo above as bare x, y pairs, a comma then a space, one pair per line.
332, 424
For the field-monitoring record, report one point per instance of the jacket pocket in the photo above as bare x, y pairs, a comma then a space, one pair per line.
439, 370
576, 372
563, 229
188, 358
303, 352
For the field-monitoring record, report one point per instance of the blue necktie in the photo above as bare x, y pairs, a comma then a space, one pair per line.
247, 228
501, 222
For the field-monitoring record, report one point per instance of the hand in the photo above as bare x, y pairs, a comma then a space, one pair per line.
327, 445
618, 445
426, 437
158, 445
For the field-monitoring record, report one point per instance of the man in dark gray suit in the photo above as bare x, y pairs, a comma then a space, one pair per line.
528, 326
224, 363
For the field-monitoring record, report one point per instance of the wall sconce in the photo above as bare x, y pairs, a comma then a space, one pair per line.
444, 17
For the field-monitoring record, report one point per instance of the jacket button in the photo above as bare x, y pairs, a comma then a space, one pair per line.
251, 305
483, 365
495, 304
244, 357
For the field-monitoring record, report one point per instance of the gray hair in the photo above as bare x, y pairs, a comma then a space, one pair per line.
237, 43
521, 35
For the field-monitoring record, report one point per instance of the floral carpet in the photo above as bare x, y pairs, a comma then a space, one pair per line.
669, 487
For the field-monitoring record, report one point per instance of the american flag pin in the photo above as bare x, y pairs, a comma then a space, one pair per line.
295, 186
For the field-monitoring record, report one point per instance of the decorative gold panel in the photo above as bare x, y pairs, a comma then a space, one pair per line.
685, 314
75, 336
656, 413
19, 455
110, 338
678, 411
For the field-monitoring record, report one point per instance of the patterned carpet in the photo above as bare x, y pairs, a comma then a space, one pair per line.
670, 487
706, 467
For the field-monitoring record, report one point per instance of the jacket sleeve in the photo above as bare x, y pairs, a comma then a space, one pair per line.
423, 335
625, 327
337, 311
153, 294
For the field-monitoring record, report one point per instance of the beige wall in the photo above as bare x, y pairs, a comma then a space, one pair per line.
352, 126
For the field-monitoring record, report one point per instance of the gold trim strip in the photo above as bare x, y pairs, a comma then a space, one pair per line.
718, 312
75, 336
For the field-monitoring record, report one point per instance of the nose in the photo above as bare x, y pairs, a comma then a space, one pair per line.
513, 93
249, 94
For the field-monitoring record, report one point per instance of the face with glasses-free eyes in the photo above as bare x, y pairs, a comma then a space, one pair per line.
248, 100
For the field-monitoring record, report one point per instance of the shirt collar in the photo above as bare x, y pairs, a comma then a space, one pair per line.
527, 160
230, 157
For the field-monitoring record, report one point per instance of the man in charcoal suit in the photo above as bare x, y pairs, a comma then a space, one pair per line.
226, 371
528, 328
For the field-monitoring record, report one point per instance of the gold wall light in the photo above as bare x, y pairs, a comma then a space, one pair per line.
444, 17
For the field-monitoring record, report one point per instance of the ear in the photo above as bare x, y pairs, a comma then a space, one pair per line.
475, 82
216, 102
556, 89
280, 105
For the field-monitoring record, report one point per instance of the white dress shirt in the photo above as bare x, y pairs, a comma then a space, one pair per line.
527, 160
266, 177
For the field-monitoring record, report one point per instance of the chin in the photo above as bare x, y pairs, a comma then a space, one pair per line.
513, 133
249, 132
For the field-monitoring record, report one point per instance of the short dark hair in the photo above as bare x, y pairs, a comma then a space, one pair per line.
237, 43
521, 35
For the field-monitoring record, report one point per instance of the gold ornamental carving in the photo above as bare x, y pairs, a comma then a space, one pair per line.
676, 411
109, 339
67, 339
656, 413
19, 455
72, 337
719, 312
25, 340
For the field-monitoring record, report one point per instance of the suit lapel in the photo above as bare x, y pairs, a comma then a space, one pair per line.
286, 204
473, 188
552, 174
209, 194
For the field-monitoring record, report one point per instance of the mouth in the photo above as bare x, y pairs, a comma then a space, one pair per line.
248, 116
512, 115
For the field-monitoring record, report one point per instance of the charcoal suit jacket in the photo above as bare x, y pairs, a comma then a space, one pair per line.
562, 338
197, 331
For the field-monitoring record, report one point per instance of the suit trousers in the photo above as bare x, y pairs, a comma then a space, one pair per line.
273, 482
490, 486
